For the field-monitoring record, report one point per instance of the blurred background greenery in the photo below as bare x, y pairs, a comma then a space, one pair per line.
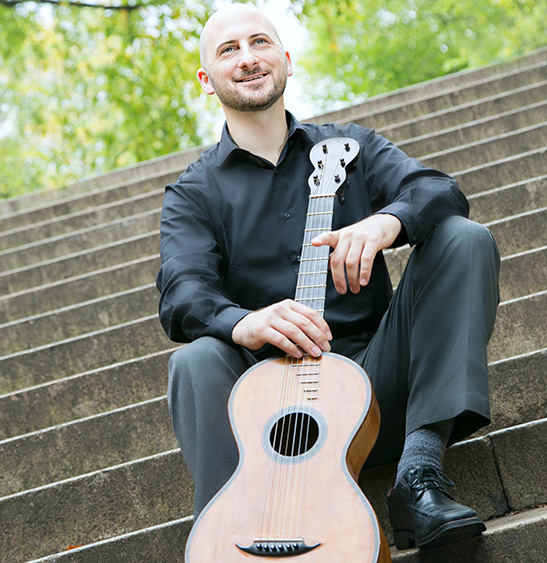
88, 86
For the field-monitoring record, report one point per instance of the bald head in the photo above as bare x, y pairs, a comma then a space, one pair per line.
228, 16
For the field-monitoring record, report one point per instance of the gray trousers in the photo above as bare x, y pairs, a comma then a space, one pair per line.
427, 362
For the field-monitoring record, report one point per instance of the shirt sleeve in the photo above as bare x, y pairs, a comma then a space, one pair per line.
399, 185
190, 280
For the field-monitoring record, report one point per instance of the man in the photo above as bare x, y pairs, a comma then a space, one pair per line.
232, 227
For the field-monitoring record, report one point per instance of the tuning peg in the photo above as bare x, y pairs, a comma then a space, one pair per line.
342, 162
320, 163
337, 178
325, 149
347, 147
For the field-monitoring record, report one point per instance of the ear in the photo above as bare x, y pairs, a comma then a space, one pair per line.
205, 82
289, 64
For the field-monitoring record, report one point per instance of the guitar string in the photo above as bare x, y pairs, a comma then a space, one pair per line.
278, 477
319, 279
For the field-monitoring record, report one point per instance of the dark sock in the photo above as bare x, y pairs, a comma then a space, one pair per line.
425, 447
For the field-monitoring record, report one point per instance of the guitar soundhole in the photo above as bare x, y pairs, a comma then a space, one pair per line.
294, 434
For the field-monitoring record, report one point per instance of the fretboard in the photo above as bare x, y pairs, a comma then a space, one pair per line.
314, 261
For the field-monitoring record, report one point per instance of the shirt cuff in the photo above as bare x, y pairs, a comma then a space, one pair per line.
223, 324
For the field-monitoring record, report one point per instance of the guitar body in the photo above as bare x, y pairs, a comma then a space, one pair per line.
294, 493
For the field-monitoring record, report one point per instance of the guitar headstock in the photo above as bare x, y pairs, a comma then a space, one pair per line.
333, 160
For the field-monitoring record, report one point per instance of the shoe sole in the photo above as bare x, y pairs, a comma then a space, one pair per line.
447, 533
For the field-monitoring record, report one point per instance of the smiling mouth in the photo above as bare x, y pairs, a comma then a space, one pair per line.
252, 78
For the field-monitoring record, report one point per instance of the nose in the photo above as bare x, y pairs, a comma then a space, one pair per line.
247, 57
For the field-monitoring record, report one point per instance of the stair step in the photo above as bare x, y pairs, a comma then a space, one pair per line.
520, 233
517, 387
477, 130
87, 286
487, 150
80, 241
84, 394
65, 323
516, 537
79, 221
424, 101
483, 108
71, 265
82, 353
16, 222
85, 445
82, 510
523, 274
443, 101
519, 327
502, 172
96, 506
513, 199
520, 238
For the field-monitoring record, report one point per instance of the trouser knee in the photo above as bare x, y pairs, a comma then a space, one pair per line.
195, 366
459, 233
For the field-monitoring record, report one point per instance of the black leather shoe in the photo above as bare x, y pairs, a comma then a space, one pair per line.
423, 514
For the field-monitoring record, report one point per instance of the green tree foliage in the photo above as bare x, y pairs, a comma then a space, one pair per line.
361, 48
85, 90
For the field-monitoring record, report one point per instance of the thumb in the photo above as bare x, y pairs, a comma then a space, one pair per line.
330, 238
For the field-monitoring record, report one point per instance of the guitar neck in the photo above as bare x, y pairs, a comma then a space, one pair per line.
314, 261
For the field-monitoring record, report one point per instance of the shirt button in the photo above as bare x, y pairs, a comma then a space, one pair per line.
298, 258
286, 215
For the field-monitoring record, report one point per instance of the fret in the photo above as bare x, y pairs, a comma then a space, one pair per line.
321, 213
318, 273
312, 259
316, 196
311, 286
320, 229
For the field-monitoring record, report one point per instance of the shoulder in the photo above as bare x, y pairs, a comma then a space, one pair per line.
197, 176
318, 132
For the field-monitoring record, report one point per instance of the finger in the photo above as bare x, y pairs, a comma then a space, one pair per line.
313, 316
353, 265
284, 343
306, 334
338, 266
330, 238
367, 261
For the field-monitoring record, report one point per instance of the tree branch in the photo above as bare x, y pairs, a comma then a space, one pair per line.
75, 3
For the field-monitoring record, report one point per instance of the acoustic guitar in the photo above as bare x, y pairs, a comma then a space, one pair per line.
304, 428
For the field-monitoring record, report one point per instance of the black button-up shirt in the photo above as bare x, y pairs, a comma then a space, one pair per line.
232, 229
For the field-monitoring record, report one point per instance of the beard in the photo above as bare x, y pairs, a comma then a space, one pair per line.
260, 99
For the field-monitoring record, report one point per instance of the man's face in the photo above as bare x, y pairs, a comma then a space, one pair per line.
244, 63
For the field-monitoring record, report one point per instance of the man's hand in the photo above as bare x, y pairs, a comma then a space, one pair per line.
356, 246
294, 328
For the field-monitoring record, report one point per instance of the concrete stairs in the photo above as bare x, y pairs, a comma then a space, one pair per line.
87, 453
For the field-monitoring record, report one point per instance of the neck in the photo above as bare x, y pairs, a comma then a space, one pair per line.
262, 133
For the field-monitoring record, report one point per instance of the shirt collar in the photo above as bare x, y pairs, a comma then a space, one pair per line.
227, 147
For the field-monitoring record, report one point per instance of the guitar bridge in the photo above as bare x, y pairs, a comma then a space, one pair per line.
278, 547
